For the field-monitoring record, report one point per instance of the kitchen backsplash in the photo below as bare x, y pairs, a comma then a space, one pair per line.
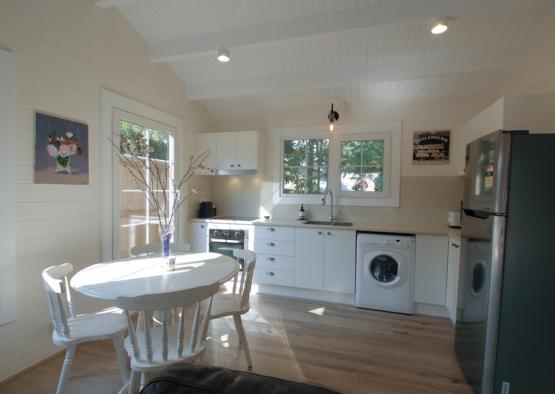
424, 200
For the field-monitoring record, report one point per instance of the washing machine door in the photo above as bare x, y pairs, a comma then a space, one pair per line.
386, 269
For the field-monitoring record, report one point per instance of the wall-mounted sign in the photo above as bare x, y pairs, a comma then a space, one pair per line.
431, 146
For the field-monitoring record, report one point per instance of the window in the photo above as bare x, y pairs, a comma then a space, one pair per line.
362, 165
305, 166
162, 128
137, 223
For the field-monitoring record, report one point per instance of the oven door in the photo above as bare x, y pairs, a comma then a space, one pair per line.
225, 247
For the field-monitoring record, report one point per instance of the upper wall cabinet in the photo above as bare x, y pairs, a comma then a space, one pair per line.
232, 153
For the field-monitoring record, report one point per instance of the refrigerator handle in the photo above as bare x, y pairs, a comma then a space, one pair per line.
477, 214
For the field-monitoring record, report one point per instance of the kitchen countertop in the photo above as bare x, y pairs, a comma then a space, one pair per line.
371, 227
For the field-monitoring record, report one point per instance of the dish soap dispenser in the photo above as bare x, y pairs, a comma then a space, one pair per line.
302, 214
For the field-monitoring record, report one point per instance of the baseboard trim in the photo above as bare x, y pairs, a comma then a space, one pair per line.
26, 369
431, 310
314, 295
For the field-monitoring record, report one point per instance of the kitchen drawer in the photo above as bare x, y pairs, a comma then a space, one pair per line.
267, 261
274, 233
279, 248
273, 277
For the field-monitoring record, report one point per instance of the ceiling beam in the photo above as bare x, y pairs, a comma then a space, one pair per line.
397, 12
111, 3
421, 68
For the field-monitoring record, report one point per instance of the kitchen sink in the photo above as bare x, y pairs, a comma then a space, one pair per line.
327, 223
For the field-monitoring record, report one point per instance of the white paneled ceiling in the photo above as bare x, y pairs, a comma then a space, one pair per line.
300, 53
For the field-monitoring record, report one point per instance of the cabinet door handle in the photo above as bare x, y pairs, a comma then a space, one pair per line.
232, 165
271, 244
271, 229
271, 259
455, 245
202, 226
270, 273
238, 165
329, 233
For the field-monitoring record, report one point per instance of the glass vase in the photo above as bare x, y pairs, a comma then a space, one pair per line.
166, 235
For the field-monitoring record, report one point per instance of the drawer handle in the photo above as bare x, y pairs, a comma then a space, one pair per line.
271, 229
271, 259
329, 233
319, 233
202, 226
231, 165
271, 244
270, 273
238, 165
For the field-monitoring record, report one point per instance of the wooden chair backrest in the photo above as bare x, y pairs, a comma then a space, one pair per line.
56, 284
245, 279
200, 298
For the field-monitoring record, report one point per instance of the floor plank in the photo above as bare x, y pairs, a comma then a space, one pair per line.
347, 349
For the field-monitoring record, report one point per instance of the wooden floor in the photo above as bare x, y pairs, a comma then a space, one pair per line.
341, 347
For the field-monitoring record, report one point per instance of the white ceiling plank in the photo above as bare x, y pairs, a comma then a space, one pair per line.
422, 68
111, 3
263, 34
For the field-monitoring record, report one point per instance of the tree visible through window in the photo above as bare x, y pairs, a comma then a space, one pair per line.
362, 165
305, 166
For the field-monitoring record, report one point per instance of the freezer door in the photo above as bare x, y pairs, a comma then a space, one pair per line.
479, 296
486, 173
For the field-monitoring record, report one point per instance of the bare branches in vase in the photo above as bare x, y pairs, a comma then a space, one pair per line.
151, 172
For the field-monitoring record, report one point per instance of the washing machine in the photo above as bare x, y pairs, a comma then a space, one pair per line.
385, 272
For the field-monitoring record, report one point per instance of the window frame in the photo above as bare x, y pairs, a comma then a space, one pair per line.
386, 137
111, 102
282, 154
392, 130
118, 116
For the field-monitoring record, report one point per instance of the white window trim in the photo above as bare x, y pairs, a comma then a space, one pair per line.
371, 130
8, 304
112, 102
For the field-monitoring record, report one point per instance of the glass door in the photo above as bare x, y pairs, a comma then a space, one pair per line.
135, 221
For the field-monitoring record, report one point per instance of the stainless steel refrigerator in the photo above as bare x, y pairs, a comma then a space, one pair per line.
505, 328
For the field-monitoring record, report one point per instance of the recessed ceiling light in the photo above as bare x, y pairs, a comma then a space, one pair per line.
440, 27
223, 55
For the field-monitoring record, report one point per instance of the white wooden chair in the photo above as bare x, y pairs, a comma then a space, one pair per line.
70, 329
237, 302
155, 248
152, 347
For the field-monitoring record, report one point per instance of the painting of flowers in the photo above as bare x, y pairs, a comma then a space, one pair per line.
61, 151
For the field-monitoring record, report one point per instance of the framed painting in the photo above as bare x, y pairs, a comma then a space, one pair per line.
61, 151
431, 146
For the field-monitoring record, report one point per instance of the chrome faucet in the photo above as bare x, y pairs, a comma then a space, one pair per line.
332, 216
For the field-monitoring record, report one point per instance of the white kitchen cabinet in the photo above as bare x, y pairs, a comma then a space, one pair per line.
430, 279
226, 151
237, 150
325, 260
453, 277
199, 238
246, 146
309, 258
208, 141
339, 261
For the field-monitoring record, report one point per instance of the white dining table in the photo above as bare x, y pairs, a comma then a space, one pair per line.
142, 276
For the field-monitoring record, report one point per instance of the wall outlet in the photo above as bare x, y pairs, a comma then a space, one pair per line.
505, 388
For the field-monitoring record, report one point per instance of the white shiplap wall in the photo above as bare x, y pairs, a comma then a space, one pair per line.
66, 51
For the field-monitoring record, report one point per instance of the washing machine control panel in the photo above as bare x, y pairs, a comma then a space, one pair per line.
388, 241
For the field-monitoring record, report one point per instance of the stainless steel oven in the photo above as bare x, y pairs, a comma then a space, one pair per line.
225, 241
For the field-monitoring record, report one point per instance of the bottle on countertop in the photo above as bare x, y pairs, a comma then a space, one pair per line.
302, 213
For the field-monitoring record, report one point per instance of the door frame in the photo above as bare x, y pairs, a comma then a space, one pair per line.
111, 101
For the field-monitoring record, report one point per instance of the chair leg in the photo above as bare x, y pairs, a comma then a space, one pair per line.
132, 382
121, 356
65, 369
243, 338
